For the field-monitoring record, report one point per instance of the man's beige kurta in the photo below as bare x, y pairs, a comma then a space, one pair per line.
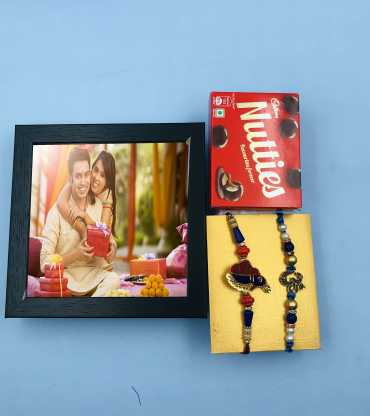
85, 275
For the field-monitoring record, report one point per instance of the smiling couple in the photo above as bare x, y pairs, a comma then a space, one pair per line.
87, 198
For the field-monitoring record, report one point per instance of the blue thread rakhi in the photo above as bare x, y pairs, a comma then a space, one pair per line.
244, 278
291, 279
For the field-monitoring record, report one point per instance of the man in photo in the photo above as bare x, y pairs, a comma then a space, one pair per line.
87, 274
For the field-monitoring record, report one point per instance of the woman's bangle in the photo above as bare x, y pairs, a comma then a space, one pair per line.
106, 205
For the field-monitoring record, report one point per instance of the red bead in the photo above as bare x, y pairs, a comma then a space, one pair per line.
242, 251
247, 300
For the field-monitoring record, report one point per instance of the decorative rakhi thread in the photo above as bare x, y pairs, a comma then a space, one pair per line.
60, 281
292, 280
244, 278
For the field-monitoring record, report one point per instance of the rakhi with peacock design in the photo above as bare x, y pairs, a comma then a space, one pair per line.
291, 279
244, 278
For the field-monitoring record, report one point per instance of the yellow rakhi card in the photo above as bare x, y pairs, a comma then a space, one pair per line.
268, 327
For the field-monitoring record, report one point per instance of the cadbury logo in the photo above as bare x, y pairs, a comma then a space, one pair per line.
275, 104
262, 149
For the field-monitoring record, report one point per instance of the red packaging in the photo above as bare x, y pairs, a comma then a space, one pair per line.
98, 237
148, 266
53, 284
255, 150
53, 271
55, 294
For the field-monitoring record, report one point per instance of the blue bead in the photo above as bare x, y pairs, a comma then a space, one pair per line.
291, 268
248, 316
280, 219
291, 295
288, 247
291, 318
289, 343
239, 238
288, 349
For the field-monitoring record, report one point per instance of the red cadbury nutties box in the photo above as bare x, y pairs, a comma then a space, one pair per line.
255, 150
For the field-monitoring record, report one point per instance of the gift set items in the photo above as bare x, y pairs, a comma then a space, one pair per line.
244, 278
124, 205
270, 310
255, 163
255, 150
290, 279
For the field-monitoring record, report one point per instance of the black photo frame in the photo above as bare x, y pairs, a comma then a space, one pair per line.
26, 136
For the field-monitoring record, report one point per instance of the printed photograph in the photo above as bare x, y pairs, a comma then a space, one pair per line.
108, 220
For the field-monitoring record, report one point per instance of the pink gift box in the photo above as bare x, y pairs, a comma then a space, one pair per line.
177, 260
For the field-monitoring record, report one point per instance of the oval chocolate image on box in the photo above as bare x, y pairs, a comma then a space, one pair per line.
219, 136
293, 178
226, 188
288, 128
291, 104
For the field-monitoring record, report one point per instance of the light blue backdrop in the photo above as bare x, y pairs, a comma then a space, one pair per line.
130, 61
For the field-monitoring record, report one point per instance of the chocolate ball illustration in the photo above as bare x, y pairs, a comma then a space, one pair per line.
291, 104
219, 136
288, 128
226, 188
293, 178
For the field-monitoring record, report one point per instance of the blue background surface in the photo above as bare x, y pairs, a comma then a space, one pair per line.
130, 61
